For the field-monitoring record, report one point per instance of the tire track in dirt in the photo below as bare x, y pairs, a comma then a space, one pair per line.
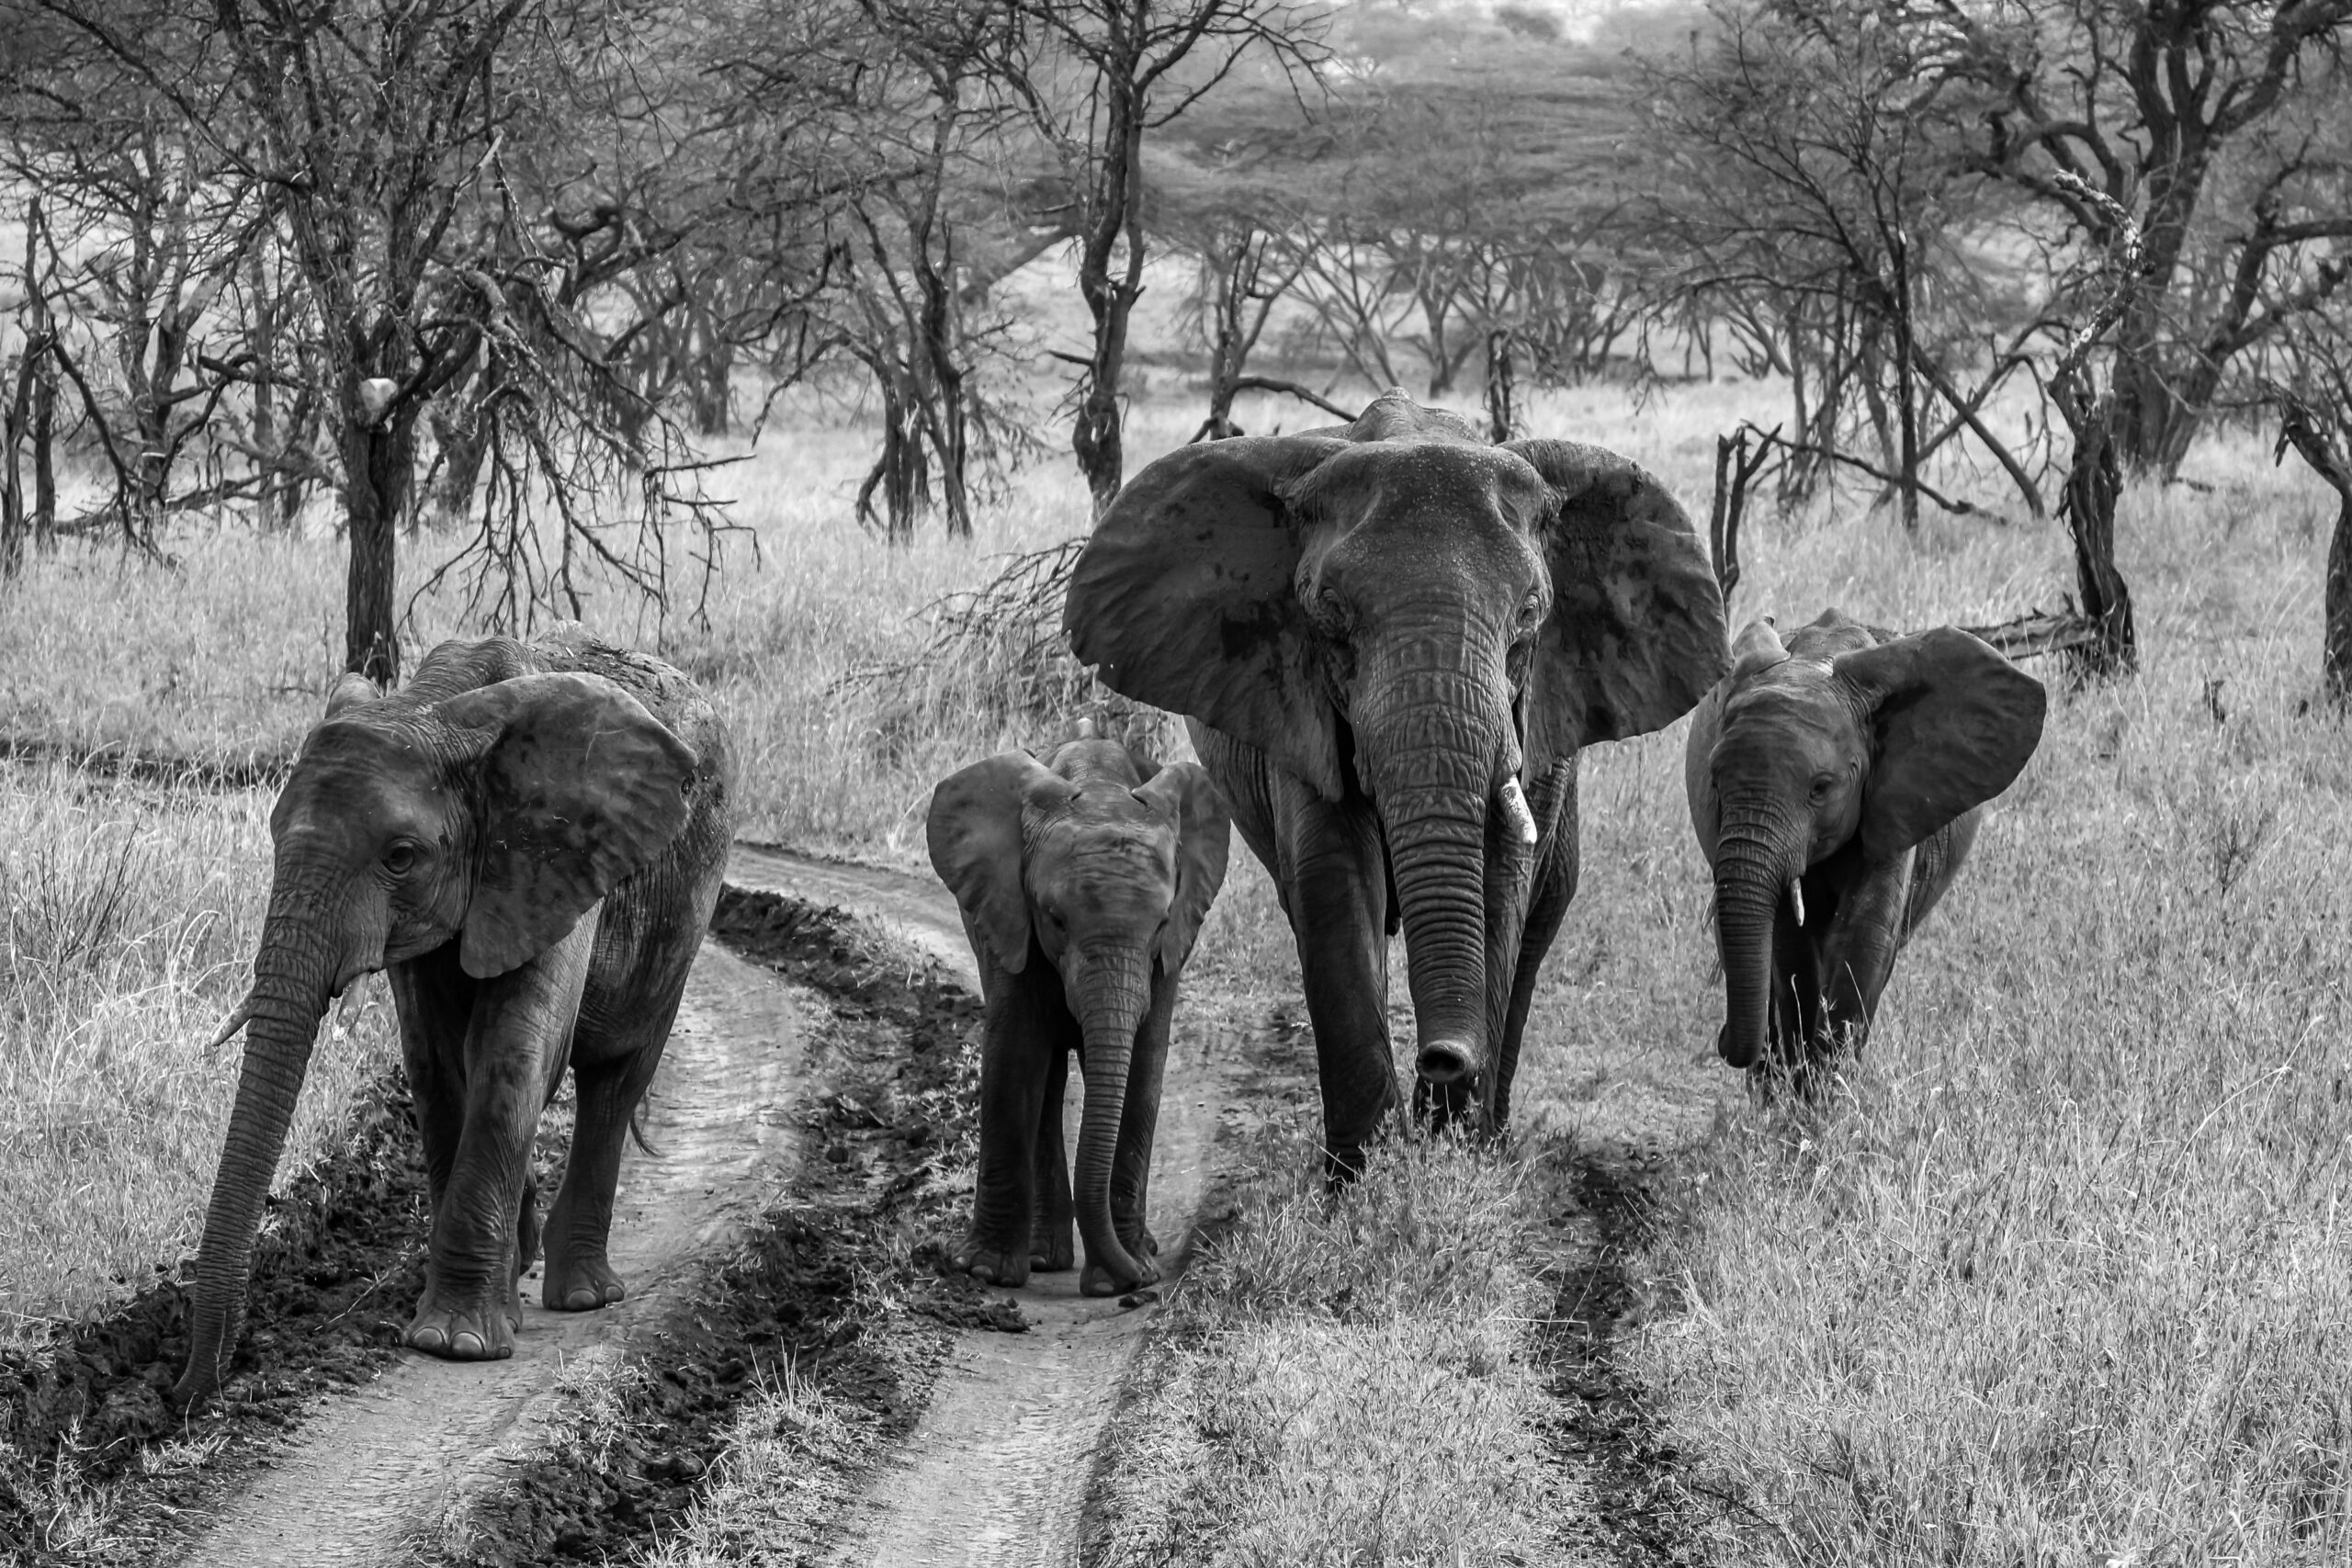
370, 1471
995, 1471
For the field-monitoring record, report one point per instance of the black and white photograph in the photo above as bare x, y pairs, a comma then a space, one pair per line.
1176, 784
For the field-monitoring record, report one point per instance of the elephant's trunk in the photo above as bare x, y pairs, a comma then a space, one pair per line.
1759, 855
1115, 988
1433, 767
294, 974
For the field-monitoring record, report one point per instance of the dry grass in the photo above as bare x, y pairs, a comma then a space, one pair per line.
2057, 1279
127, 920
1345, 1383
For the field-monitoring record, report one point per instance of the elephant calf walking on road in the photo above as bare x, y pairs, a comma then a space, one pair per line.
1836, 785
1083, 883
529, 839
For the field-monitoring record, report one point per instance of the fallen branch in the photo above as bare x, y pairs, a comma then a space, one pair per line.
1957, 507
2041, 631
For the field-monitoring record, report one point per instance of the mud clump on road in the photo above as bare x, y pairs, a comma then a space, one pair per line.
837, 1289
337, 1265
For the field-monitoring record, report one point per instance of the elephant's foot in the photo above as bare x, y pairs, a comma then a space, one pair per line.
1051, 1249
990, 1264
1097, 1279
471, 1331
580, 1285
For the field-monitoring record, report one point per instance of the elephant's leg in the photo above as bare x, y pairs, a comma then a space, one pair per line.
1139, 1122
610, 1074
1858, 954
1051, 1251
434, 998
516, 1038
1245, 779
1554, 804
1934, 863
1336, 873
1029, 1028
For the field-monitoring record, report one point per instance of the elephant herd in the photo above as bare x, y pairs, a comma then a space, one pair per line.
1390, 641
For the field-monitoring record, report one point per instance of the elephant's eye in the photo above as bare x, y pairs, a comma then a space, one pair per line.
1822, 784
401, 859
1329, 612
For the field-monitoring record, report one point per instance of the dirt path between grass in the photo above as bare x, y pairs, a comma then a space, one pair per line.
371, 1469
996, 1468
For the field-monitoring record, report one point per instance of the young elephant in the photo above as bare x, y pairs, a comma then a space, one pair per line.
529, 839
1083, 883
1835, 785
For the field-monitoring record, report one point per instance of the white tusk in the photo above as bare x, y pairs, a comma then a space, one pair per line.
237, 1020
1514, 801
1796, 897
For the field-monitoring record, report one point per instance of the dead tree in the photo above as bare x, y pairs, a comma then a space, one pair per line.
2325, 443
2093, 474
1737, 469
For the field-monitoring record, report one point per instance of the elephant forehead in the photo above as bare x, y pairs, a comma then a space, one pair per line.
1386, 478
365, 778
1794, 702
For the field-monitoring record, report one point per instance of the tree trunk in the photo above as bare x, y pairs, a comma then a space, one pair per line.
2329, 453
379, 463
1501, 419
2087, 508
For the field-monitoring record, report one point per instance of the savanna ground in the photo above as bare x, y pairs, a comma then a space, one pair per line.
2055, 1277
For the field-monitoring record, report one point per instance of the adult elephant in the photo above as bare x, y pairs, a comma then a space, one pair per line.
1392, 639
529, 839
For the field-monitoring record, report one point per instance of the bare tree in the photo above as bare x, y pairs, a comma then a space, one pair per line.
1806, 178
1098, 78
2211, 124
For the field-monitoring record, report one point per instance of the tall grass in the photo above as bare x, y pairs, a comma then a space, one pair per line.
1346, 1382
127, 921
2056, 1277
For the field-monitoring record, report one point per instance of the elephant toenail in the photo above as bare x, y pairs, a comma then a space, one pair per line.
468, 1345
426, 1338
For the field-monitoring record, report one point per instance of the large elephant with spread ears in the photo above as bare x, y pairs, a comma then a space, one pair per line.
1393, 638
527, 840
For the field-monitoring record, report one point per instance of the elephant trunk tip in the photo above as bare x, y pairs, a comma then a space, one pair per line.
1444, 1062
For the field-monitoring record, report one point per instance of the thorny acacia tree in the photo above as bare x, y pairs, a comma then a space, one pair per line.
1097, 79
2207, 122
376, 137
1808, 192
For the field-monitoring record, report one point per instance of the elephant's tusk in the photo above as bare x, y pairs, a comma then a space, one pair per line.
1796, 899
237, 1020
1514, 801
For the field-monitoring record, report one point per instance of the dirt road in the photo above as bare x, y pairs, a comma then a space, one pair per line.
372, 1470
997, 1468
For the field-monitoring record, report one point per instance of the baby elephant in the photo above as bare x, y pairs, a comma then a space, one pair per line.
1083, 883
527, 840
1836, 785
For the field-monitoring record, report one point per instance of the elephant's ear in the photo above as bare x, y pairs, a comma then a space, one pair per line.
1187, 598
974, 832
1954, 723
1183, 792
1636, 631
350, 689
579, 788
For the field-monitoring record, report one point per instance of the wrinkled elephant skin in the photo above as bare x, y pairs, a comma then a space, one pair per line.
1391, 640
1836, 785
527, 840
1083, 881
